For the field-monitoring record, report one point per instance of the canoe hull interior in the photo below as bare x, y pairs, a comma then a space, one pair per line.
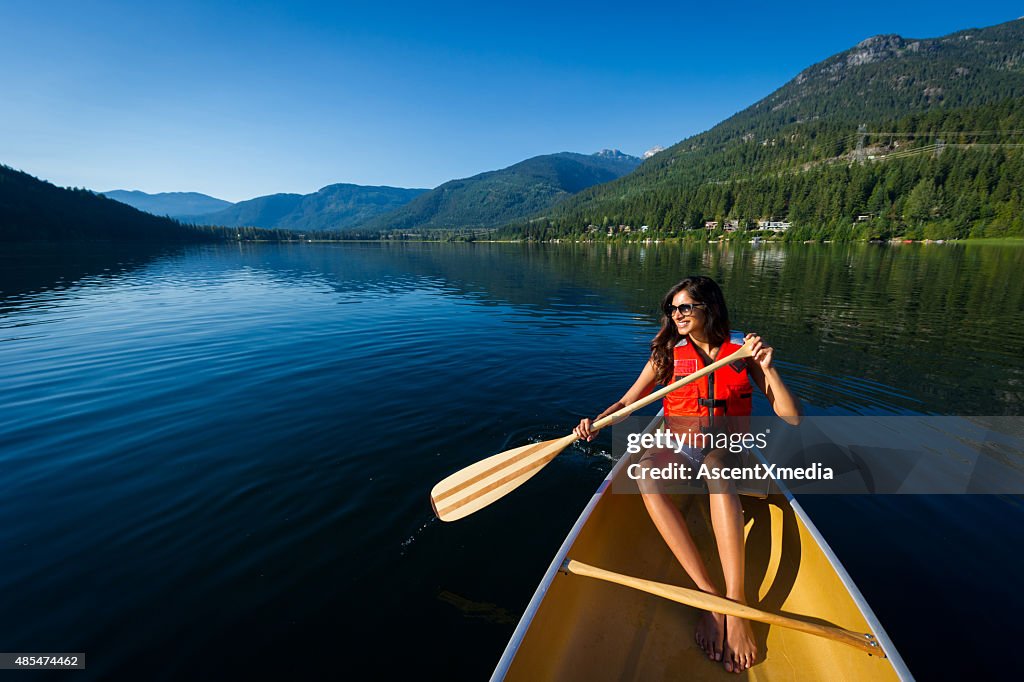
589, 629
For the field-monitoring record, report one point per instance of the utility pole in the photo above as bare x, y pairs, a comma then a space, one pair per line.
862, 132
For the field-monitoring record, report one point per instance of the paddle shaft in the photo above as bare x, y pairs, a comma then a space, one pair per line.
743, 351
702, 600
480, 484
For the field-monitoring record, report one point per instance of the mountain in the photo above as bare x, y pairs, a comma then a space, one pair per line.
615, 156
32, 209
335, 207
497, 197
265, 211
171, 204
847, 139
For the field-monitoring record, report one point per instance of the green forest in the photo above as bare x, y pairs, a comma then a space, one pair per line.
942, 174
35, 210
894, 137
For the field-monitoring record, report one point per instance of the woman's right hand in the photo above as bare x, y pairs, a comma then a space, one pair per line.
583, 430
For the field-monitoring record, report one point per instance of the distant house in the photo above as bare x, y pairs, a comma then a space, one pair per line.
644, 228
864, 217
711, 225
774, 225
732, 225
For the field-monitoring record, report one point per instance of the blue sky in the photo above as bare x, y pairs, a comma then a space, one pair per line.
240, 99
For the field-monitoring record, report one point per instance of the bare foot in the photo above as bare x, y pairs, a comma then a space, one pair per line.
740, 648
710, 634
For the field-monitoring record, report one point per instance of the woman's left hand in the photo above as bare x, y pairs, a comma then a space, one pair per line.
762, 352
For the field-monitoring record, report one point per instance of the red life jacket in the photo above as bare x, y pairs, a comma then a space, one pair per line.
730, 384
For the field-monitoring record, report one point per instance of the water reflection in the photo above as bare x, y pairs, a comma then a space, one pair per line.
860, 311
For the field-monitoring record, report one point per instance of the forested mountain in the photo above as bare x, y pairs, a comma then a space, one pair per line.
32, 209
894, 136
335, 207
497, 197
170, 204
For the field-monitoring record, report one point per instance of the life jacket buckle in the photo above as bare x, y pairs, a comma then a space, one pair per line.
712, 403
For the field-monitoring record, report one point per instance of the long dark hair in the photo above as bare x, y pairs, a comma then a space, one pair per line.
702, 290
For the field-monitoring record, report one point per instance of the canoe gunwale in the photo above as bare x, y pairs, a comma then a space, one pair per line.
556, 566
881, 636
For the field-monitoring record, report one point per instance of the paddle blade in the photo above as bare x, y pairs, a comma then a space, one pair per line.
480, 484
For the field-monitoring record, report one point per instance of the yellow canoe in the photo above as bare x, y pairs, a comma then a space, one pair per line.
578, 628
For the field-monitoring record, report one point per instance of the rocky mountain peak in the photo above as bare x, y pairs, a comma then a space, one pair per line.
874, 49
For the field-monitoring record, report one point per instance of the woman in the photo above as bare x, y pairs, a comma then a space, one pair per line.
695, 330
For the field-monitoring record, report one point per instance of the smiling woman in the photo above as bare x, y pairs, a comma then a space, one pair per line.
694, 332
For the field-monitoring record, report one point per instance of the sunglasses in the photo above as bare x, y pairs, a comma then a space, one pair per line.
683, 308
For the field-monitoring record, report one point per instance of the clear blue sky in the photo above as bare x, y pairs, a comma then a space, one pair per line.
239, 99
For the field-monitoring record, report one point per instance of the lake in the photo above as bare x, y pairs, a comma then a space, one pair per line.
217, 459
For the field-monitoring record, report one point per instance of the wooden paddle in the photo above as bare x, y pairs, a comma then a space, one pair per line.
702, 600
480, 484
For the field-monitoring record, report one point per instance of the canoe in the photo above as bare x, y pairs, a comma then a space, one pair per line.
577, 627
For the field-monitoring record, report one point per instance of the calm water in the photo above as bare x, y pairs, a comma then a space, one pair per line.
216, 460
